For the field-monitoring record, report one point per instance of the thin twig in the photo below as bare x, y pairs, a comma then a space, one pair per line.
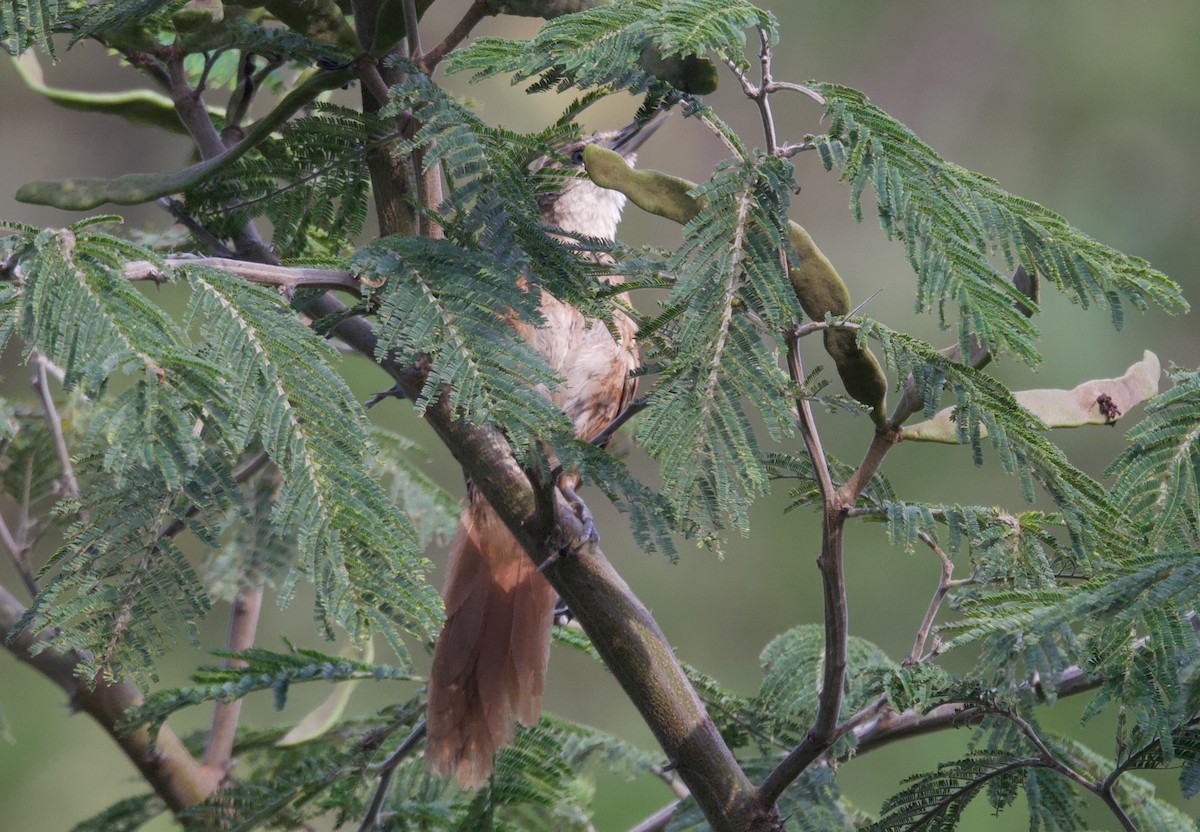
716, 131
676, 785
787, 151
368, 74
1118, 812
1102, 790
808, 424
288, 278
386, 770
476, 12
862, 305
632, 409
657, 821
41, 385
935, 603
203, 236
885, 438
243, 95
763, 97
823, 731
773, 86
18, 553
1049, 756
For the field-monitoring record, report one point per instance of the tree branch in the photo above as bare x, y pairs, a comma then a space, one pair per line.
18, 553
243, 623
412, 32
476, 12
823, 732
165, 764
945, 582
622, 630
657, 821
288, 278
387, 770
42, 386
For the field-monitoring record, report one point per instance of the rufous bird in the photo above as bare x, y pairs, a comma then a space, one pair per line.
490, 661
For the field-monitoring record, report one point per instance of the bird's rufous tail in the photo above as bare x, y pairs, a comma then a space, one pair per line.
490, 661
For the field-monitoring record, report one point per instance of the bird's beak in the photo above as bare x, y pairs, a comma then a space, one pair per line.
627, 140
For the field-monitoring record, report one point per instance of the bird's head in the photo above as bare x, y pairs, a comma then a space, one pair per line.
580, 206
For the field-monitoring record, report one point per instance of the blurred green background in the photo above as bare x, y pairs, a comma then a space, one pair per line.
1090, 107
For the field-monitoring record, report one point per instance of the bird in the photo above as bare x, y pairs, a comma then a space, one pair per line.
490, 658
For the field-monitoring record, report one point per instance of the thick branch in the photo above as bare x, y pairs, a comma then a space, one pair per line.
619, 625
622, 629
165, 764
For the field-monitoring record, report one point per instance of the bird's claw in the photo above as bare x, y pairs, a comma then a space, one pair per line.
562, 613
588, 535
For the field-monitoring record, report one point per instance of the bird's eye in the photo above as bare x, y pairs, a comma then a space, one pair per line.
577, 156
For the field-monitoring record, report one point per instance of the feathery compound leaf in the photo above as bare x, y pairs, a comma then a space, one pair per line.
110, 16
695, 425
310, 181
1016, 435
126, 815
935, 801
353, 543
264, 670
1019, 550
80, 312
27, 22
1150, 594
121, 590
491, 203
445, 302
617, 45
685, 27
951, 219
597, 47
1158, 476
432, 510
793, 663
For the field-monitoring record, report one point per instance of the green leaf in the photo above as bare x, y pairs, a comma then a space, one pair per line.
353, 544
951, 219
793, 665
1157, 476
263, 670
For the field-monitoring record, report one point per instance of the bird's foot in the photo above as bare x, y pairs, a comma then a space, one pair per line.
588, 534
562, 613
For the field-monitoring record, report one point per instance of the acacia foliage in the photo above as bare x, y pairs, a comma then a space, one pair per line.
167, 415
